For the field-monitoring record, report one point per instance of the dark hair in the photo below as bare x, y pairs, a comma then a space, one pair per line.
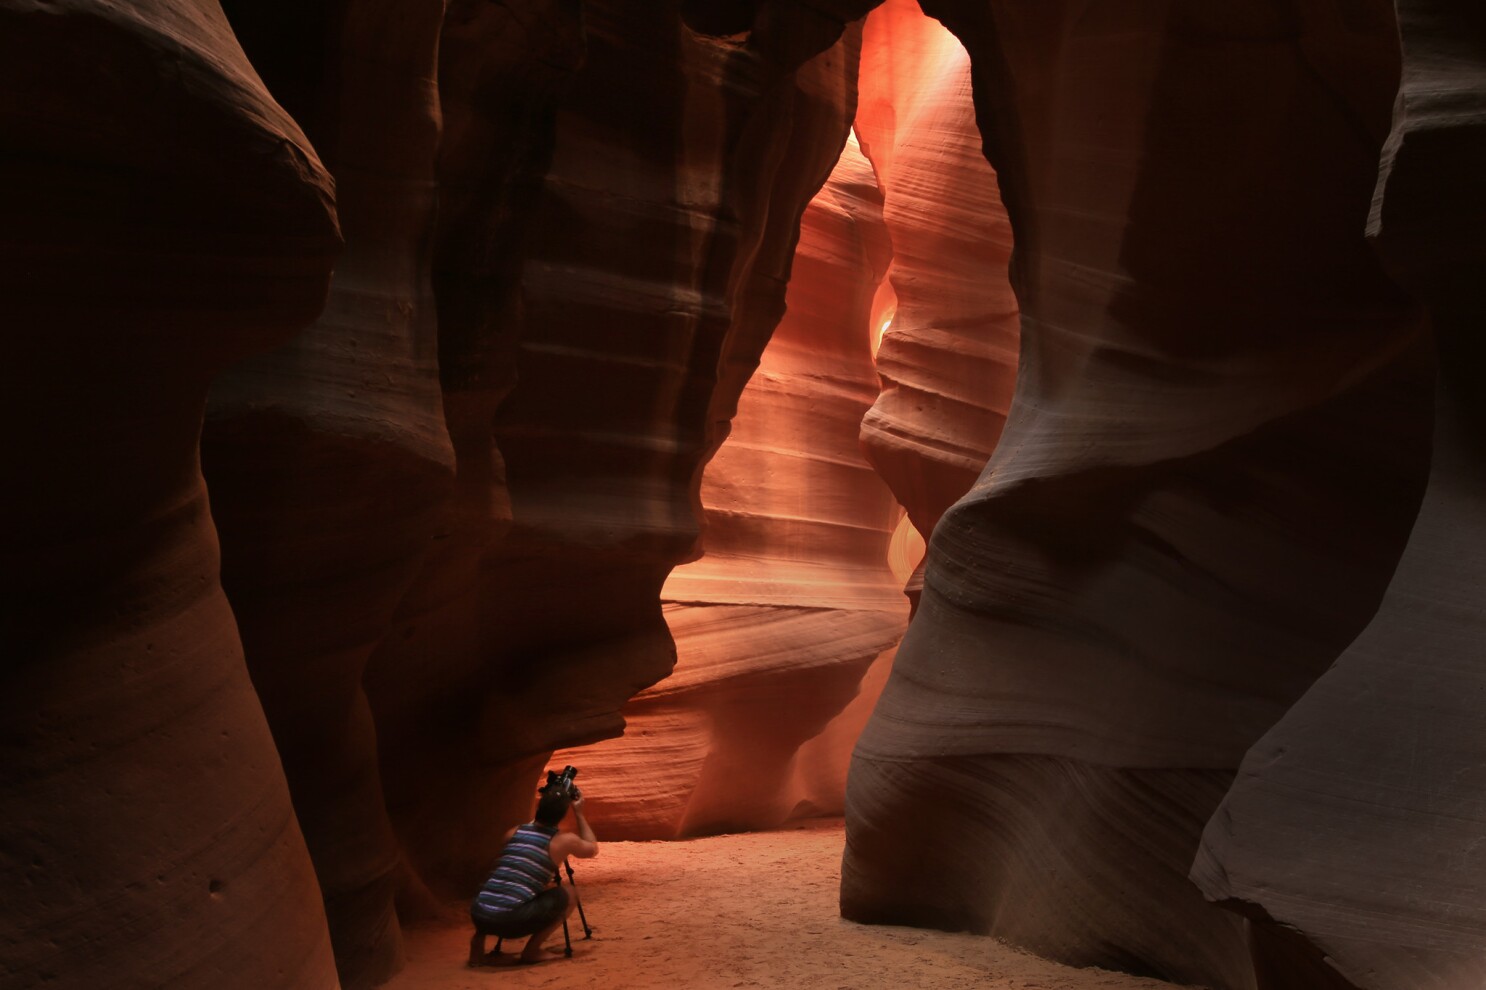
551, 807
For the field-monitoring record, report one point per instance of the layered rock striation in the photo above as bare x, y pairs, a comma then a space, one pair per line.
163, 217
666, 184
1214, 454
328, 457
777, 623
947, 319
1351, 836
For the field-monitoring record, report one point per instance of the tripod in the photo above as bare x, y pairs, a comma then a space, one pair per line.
567, 940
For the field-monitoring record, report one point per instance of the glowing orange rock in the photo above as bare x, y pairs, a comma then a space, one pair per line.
776, 625
612, 265
948, 354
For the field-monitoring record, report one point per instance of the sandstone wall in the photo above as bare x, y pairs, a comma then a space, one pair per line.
327, 457
776, 625
1219, 394
163, 217
502, 486
1352, 833
589, 374
948, 317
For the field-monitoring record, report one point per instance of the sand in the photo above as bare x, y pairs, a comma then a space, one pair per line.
751, 910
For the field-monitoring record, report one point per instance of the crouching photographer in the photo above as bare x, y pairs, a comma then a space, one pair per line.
516, 899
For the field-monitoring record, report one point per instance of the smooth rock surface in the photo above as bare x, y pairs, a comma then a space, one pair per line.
1355, 825
328, 457
793, 599
163, 217
643, 284
1214, 454
948, 319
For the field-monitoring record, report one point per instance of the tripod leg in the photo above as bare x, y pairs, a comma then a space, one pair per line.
587, 932
567, 940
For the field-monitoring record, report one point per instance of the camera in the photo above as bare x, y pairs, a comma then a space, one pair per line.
561, 783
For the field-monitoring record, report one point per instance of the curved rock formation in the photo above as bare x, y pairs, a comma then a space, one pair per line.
501, 70
776, 624
948, 356
651, 273
327, 457
1219, 392
1352, 836
163, 218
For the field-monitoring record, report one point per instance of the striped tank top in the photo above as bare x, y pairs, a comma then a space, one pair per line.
524, 869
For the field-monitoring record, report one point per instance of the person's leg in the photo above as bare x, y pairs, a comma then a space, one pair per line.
533, 950
477, 948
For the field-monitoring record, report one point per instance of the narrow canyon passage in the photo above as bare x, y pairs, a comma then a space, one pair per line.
993, 466
754, 909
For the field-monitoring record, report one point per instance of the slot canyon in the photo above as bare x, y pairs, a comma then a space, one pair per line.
934, 466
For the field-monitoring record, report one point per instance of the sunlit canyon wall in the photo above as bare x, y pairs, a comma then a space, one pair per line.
1215, 453
583, 397
948, 356
796, 594
794, 598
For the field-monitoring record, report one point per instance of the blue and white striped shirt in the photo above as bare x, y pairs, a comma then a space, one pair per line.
524, 869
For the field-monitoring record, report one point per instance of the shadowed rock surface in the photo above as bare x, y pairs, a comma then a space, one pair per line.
1353, 831
777, 624
327, 457
163, 217
1219, 391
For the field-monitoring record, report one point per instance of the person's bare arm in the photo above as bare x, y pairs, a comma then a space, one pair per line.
582, 843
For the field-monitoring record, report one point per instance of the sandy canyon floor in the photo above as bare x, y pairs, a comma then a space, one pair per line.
751, 910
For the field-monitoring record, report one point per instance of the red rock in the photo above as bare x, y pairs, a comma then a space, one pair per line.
1218, 392
793, 599
1351, 834
163, 218
948, 356
328, 458
638, 294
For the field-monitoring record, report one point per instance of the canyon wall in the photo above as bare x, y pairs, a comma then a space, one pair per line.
721, 743
1352, 835
449, 509
590, 371
470, 510
163, 217
776, 624
327, 457
1214, 454
948, 318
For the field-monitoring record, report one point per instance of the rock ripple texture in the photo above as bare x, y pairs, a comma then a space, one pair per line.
327, 457
777, 624
948, 317
1219, 391
602, 306
1352, 836
163, 217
